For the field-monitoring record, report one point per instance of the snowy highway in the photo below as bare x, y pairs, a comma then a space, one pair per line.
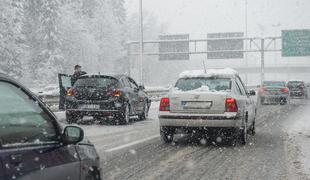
135, 151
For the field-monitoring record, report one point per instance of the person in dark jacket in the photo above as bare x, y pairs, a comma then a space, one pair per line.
77, 73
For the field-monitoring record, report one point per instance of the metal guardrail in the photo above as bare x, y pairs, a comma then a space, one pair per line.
155, 94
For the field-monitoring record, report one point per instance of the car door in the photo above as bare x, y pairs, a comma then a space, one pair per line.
64, 84
249, 103
138, 94
30, 146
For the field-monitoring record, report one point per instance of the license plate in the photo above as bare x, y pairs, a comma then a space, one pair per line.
196, 105
89, 106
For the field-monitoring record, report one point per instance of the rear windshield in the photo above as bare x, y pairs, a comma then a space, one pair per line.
274, 84
101, 82
295, 84
211, 84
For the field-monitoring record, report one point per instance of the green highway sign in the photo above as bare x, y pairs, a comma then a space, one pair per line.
295, 43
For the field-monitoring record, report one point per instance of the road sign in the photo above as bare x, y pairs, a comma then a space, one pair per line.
296, 43
180, 48
222, 44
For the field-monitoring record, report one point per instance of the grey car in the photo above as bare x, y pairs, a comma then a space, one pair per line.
274, 92
33, 145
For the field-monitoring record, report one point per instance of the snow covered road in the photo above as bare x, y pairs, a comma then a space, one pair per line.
136, 152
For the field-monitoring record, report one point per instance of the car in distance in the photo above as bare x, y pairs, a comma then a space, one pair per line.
104, 97
274, 91
297, 89
33, 145
212, 101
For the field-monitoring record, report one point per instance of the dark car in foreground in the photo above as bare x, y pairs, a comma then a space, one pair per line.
274, 92
33, 145
104, 97
298, 89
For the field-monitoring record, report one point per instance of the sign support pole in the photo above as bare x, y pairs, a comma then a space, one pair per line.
262, 74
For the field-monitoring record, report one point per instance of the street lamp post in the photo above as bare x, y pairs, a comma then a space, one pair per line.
246, 36
141, 42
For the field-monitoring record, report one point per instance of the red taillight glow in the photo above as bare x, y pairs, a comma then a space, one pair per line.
116, 93
164, 104
285, 90
71, 92
231, 105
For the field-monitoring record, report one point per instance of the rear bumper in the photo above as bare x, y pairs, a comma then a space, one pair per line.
282, 96
223, 121
297, 94
104, 113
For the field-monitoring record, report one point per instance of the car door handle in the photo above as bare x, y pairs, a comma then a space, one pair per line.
16, 158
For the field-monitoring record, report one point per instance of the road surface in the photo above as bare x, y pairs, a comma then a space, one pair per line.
135, 151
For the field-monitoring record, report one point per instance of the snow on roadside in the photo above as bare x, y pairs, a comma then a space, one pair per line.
298, 131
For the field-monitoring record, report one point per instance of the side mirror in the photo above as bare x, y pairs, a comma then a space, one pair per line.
73, 135
252, 93
141, 87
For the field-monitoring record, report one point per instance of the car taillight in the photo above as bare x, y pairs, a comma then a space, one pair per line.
116, 93
263, 89
164, 104
285, 90
71, 92
231, 105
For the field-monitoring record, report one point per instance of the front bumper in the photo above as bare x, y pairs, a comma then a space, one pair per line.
229, 120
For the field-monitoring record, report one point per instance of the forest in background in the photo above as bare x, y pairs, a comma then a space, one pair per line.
41, 38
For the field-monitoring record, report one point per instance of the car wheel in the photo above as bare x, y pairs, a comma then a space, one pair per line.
125, 116
72, 118
262, 101
145, 113
244, 134
252, 129
166, 134
93, 175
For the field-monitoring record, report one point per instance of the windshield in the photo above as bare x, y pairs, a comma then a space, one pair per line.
96, 82
295, 84
209, 84
274, 84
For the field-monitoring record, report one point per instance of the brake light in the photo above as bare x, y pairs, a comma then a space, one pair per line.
164, 104
263, 89
71, 92
231, 105
116, 93
285, 90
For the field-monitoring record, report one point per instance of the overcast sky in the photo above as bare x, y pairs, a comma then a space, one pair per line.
198, 17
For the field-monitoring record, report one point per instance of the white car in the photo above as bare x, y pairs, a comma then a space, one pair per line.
212, 101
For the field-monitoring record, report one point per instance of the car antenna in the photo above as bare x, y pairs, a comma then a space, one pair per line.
204, 66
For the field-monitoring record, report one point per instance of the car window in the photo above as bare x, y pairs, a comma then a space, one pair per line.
21, 119
212, 84
102, 82
274, 84
295, 84
125, 82
241, 86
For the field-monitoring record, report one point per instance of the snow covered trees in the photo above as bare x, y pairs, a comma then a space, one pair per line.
41, 38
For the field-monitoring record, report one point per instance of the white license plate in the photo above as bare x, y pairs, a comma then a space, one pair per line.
196, 105
89, 106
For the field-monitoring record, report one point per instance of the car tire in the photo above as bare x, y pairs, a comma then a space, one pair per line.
124, 117
93, 175
166, 134
244, 134
143, 116
252, 130
72, 118
262, 101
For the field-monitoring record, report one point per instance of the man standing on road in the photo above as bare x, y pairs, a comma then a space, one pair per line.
77, 73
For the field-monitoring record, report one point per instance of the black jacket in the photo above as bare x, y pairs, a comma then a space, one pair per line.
76, 76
